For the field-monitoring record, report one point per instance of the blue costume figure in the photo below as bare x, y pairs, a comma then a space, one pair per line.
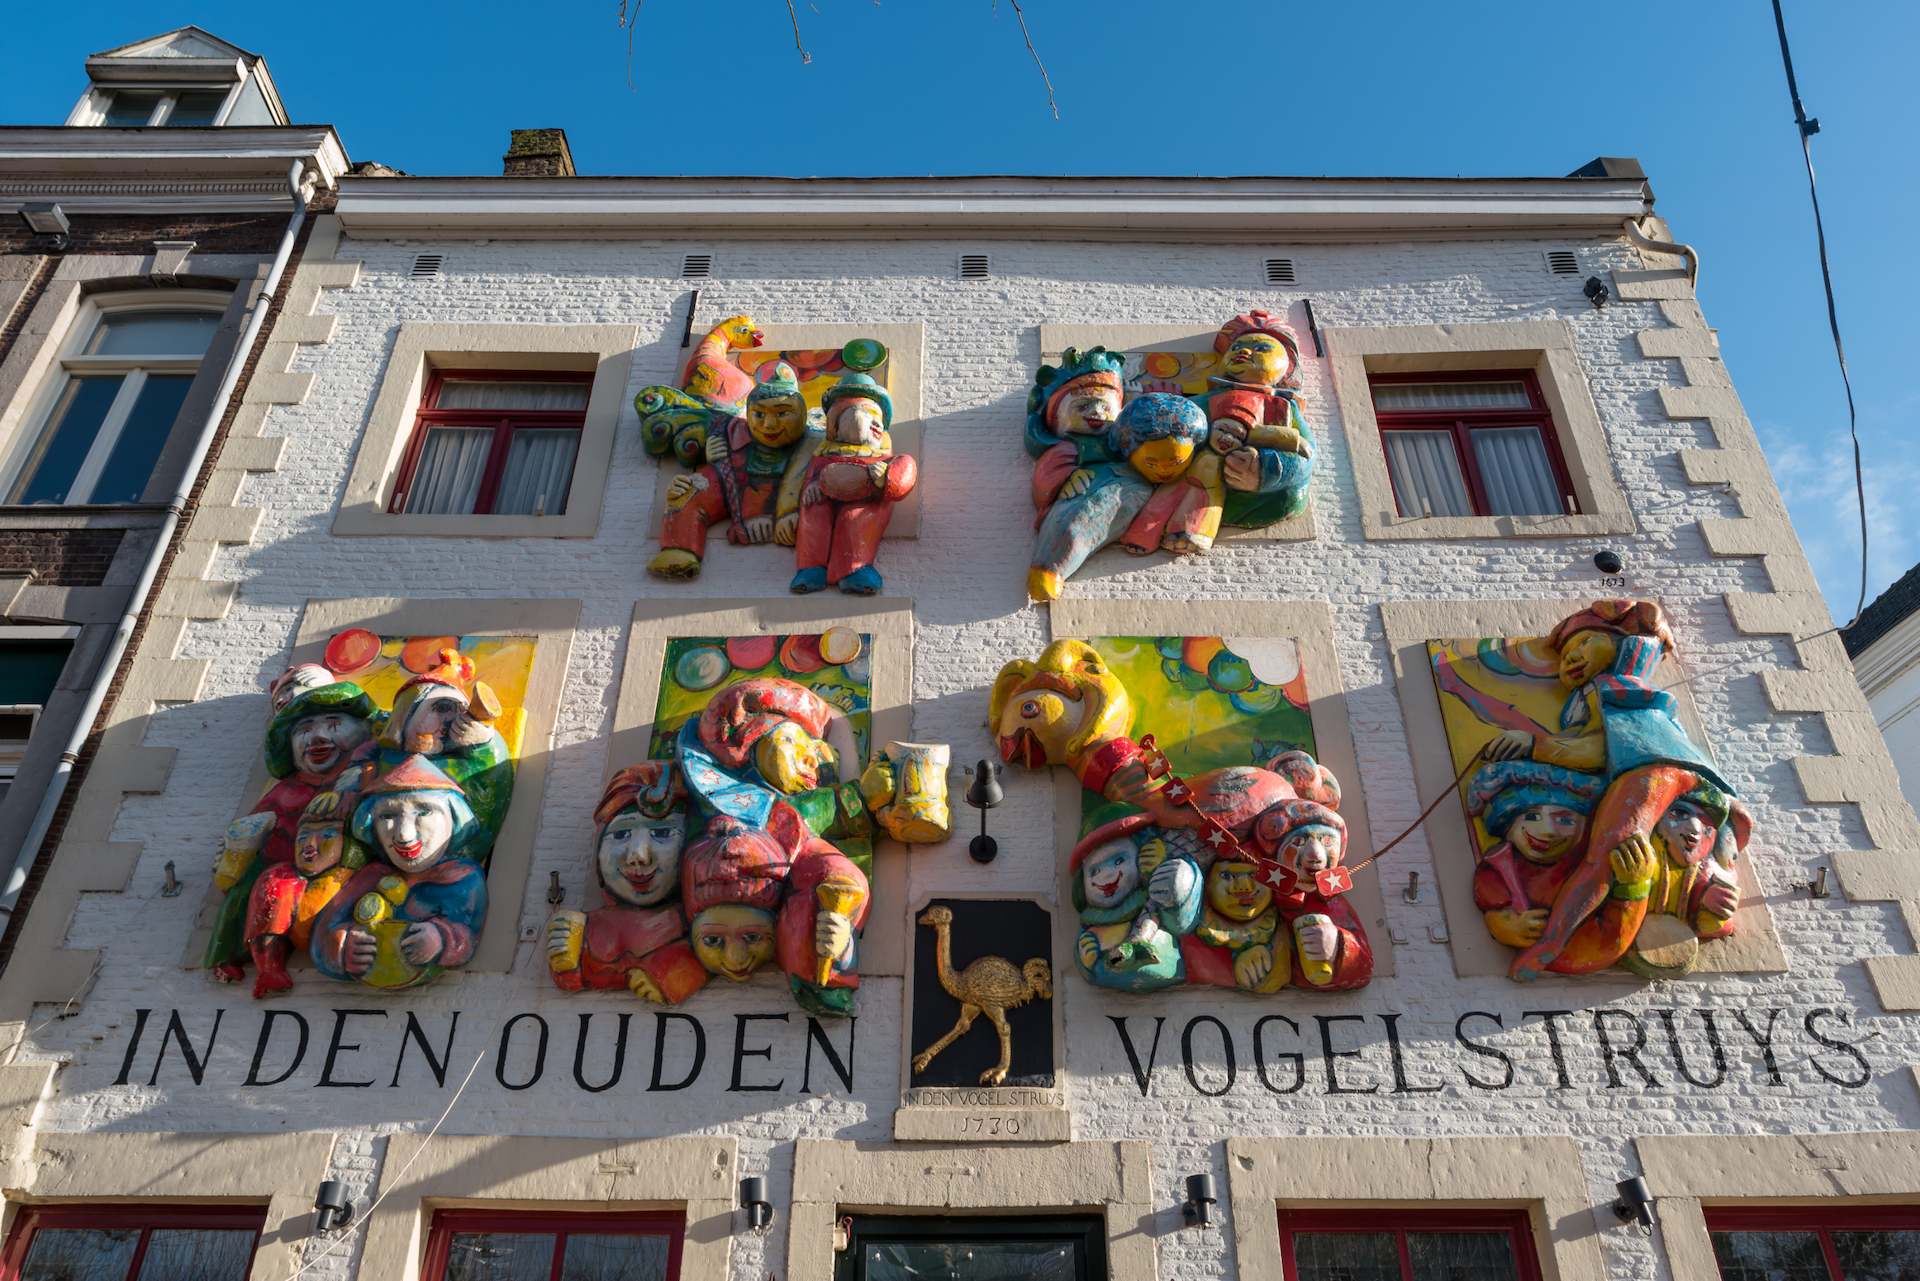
401, 921
447, 715
1139, 889
1151, 443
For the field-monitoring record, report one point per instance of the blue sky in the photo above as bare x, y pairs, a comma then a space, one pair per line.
947, 86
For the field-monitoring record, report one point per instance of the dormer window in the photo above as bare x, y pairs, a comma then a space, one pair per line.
185, 79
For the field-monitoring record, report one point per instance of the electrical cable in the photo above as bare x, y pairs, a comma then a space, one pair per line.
1807, 129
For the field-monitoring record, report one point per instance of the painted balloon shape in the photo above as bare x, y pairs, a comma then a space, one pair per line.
701, 668
352, 650
751, 653
840, 645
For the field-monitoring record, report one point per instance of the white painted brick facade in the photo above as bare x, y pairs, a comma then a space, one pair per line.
965, 575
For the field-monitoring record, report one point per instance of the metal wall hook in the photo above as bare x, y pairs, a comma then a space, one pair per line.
1412, 893
555, 894
172, 888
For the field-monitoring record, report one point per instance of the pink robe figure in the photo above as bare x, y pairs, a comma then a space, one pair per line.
653, 940
841, 531
794, 924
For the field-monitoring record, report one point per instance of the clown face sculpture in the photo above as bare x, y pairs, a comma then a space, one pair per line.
322, 741
638, 858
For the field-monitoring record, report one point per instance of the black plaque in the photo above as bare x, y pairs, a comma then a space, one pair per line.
1017, 930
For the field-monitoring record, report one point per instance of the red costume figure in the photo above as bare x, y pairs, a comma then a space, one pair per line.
852, 483
638, 941
288, 896
752, 477
317, 734
1306, 838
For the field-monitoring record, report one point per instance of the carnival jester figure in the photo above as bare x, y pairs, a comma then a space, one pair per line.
853, 481
638, 941
775, 767
1538, 813
1258, 460
319, 733
1616, 722
289, 897
405, 918
1151, 443
446, 715
751, 476
1139, 890
1069, 410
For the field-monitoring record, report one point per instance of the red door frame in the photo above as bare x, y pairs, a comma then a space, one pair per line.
1516, 1223
429, 416
668, 1223
1821, 1219
145, 1217
1459, 424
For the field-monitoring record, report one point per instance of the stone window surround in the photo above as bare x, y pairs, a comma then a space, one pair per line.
552, 622
424, 1173
1753, 949
1310, 624
279, 1170
84, 286
421, 347
1541, 1174
1543, 346
906, 373
888, 620
1686, 1172
1055, 339
835, 1177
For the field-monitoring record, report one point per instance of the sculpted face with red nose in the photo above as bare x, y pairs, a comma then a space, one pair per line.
1035, 728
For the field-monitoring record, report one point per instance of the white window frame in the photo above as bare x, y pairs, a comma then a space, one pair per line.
91, 111
69, 363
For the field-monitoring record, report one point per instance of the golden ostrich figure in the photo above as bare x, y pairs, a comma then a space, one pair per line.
990, 986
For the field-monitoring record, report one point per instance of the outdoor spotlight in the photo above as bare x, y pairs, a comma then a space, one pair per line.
1596, 292
1198, 1209
985, 794
753, 1199
1635, 1197
332, 1209
44, 218
1608, 561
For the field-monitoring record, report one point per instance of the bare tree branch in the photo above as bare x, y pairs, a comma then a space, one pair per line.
629, 24
1033, 51
805, 57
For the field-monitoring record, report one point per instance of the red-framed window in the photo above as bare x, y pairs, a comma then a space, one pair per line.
1389, 1244
500, 1245
1815, 1242
1471, 443
132, 1243
493, 442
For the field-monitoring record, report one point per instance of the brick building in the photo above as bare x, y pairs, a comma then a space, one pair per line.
459, 361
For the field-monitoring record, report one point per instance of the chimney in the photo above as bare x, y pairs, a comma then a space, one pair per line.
539, 153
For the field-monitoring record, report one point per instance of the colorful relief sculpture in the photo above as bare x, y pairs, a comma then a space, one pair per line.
638, 940
319, 733
1246, 461
1607, 835
446, 715
853, 480
1151, 443
906, 788
750, 475
420, 907
323, 849
990, 985
1232, 876
709, 376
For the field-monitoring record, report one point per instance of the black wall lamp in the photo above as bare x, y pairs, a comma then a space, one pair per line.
1596, 292
1198, 1207
985, 794
332, 1209
753, 1199
1635, 1197
44, 218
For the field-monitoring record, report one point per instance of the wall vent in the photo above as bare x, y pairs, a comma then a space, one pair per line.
1562, 262
1279, 271
425, 265
697, 267
975, 267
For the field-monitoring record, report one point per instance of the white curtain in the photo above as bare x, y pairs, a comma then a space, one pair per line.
539, 463
451, 464
491, 395
1424, 466
1515, 472
1400, 396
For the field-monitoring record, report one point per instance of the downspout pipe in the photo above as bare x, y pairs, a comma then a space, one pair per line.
297, 181
1664, 247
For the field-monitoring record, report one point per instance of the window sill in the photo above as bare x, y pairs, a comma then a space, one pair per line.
370, 522
1391, 526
